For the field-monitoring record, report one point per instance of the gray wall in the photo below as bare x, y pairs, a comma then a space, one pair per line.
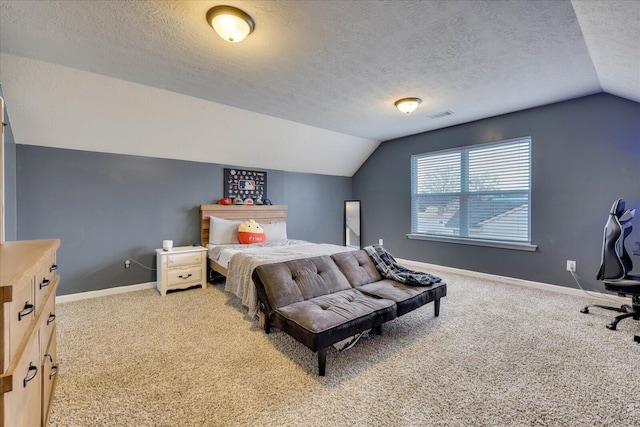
10, 218
585, 154
106, 208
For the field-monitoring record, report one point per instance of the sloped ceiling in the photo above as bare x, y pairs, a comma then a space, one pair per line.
312, 89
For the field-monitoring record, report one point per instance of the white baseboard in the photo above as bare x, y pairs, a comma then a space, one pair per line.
104, 292
513, 281
423, 266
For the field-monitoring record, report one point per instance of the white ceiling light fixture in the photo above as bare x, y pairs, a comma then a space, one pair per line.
232, 24
408, 105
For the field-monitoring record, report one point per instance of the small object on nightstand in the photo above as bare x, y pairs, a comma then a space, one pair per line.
167, 245
182, 267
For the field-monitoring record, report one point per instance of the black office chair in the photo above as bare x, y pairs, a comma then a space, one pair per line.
616, 265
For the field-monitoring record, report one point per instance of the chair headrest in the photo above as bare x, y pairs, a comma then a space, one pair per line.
618, 207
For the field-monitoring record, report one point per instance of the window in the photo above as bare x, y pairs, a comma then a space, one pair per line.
481, 193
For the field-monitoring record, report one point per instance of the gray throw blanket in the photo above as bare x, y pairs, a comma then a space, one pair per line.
390, 269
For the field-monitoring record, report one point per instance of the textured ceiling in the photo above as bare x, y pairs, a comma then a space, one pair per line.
340, 65
612, 32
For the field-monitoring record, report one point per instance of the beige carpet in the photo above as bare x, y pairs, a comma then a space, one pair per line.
498, 355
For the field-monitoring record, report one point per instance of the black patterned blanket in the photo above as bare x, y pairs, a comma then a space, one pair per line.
390, 269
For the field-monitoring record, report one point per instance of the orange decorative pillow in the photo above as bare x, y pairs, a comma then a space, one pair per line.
251, 232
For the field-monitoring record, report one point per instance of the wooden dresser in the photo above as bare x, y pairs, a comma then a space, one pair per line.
28, 283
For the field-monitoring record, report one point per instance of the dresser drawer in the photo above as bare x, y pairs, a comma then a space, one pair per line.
22, 404
49, 377
179, 260
179, 276
47, 322
45, 279
22, 312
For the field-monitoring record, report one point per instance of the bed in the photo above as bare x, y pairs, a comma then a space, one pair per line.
236, 262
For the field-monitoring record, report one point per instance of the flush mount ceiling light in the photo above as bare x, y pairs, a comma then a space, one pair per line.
232, 24
408, 105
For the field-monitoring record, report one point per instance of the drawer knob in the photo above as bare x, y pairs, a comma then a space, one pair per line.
28, 309
185, 277
51, 318
32, 376
54, 267
45, 283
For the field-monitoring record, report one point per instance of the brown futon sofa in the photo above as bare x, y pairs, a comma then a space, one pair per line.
322, 300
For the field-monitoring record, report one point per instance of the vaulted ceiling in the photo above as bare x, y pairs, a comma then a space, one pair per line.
312, 89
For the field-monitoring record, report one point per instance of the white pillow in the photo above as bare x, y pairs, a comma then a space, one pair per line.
275, 231
223, 231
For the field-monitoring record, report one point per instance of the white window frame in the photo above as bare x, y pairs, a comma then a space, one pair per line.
464, 193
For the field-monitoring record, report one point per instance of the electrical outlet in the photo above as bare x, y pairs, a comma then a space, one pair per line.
127, 263
571, 265
380, 242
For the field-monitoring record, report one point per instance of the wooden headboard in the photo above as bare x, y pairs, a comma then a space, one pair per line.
261, 213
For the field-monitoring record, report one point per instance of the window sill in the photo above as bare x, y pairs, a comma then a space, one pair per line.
475, 242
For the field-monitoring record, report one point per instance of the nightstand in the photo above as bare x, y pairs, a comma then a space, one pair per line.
181, 268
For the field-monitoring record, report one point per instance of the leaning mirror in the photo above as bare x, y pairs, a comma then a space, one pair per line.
352, 223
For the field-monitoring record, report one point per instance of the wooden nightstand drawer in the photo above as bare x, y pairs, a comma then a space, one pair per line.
179, 260
181, 268
178, 276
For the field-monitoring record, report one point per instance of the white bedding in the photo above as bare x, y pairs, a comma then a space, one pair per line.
240, 260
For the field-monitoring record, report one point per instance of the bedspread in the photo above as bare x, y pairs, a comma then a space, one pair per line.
241, 265
223, 253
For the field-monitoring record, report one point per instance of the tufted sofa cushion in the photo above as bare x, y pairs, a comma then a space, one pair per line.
364, 276
324, 320
357, 267
301, 279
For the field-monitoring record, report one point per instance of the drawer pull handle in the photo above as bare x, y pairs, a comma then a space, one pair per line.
54, 267
51, 318
28, 309
32, 376
54, 368
185, 277
54, 371
45, 283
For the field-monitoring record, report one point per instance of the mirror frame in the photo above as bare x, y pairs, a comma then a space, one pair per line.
352, 224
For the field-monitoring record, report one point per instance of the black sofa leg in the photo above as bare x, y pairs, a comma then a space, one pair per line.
322, 361
265, 322
436, 307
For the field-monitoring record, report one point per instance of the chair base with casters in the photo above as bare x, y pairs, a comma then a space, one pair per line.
631, 285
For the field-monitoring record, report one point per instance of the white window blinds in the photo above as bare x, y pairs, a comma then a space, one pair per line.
482, 192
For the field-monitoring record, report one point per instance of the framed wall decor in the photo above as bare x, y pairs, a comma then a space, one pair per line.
245, 184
